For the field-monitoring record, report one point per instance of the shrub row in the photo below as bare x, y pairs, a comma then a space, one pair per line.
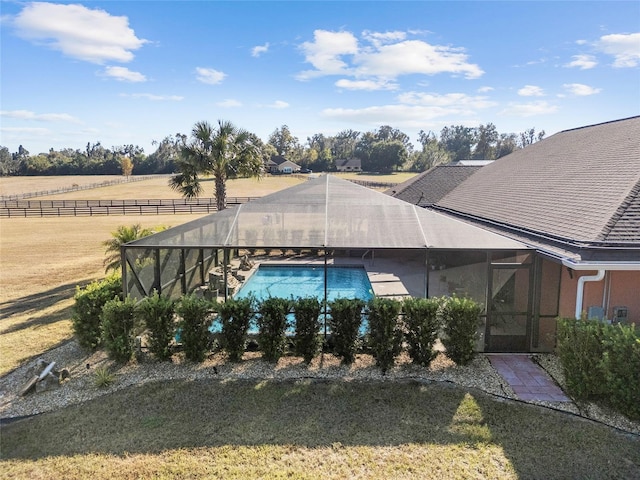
103, 318
601, 362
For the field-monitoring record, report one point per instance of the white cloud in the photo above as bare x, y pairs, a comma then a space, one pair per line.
209, 76
123, 74
259, 50
485, 89
92, 35
41, 117
154, 97
370, 85
389, 55
625, 48
381, 38
531, 91
229, 103
583, 62
581, 90
402, 116
278, 105
529, 109
453, 100
325, 53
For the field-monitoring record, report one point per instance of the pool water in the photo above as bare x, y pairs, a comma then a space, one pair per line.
307, 281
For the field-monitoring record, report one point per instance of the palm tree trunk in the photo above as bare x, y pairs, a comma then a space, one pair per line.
221, 192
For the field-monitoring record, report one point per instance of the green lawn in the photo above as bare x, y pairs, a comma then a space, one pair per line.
311, 429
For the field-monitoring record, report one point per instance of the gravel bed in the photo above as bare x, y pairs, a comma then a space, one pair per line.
80, 387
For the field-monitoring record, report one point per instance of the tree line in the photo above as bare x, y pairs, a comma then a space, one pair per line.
384, 150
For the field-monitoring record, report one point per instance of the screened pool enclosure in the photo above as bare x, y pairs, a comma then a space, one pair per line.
329, 219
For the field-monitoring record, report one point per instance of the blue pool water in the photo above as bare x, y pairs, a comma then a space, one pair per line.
307, 281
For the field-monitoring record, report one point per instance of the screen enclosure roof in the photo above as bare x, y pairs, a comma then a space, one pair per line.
329, 212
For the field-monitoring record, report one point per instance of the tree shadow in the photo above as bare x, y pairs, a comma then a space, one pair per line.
33, 305
165, 415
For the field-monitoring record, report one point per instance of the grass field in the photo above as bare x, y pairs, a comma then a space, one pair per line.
43, 259
309, 430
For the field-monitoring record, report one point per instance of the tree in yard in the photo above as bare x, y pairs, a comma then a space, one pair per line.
127, 166
223, 152
529, 137
124, 234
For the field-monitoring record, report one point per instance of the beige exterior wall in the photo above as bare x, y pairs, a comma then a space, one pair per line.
624, 290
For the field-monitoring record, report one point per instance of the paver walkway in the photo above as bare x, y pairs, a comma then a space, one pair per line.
528, 380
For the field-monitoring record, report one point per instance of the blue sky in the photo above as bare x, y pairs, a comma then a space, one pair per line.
137, 71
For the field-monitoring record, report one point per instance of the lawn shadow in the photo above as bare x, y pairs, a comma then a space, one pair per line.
166, 415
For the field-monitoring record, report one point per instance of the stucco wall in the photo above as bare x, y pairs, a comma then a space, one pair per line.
624, 291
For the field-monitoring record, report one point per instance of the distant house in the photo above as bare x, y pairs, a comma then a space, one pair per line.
349, 165
278, 164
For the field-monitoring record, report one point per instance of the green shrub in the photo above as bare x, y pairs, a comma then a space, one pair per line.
345, 321
307, 327
385, 334
459, 317
580, 350
422, 325
272, 325
88, 309
103, 377
195, 320
157, 312
117, 328
235, 316
621, 367
601, 362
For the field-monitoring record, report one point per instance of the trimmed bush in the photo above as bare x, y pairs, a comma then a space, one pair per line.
601, 362
345, 321
195, 314
118, 319
272, 325
157, 312
580, 349
235, 316
621, 367
422, 325
459, 317
88, 309
307, 327
385, 334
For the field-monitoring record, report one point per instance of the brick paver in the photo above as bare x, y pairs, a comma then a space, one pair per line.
527, 380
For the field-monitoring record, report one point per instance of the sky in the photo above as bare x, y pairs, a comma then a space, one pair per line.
134, 72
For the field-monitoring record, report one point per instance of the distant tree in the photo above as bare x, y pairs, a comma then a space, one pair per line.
506, 144
223, 152
432, 154
387, 156
529, 137
127, 166
344, 144
386, 133
284, 142
165, 157
8, 165
457, 140
486, 137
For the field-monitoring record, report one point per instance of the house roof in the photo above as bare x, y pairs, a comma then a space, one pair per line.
430, 186
329, 212
579, 186
349, 162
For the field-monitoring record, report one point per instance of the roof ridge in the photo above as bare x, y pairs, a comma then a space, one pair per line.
598, 124
633, 194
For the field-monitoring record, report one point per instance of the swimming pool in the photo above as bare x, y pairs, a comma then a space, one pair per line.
297, 281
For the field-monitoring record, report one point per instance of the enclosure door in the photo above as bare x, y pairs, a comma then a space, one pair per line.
509, 315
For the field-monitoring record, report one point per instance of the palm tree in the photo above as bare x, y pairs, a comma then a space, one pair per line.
223, 152
122, 235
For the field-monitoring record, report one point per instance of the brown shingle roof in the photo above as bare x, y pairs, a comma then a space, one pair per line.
430, 186
580, 185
